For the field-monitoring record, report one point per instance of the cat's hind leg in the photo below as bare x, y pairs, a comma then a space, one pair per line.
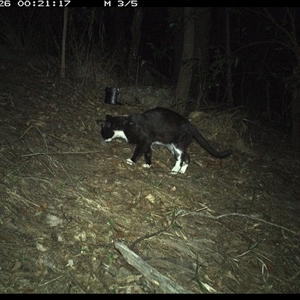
183, 168
179, 168
182, 162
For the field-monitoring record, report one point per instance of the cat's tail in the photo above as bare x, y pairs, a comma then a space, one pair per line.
205, 144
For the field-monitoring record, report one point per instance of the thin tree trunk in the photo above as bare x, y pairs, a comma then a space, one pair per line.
187, 61
133, 64
63, 44
202, 34
291, 36
228, 55
176, 19
296, 108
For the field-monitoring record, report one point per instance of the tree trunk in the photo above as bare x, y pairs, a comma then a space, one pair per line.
187, 61
133, 64
119, 29
63, 45
296, 108
175, 23
202, 34
228, 55
294, 46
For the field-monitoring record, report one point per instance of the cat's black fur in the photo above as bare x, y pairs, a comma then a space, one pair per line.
158, 126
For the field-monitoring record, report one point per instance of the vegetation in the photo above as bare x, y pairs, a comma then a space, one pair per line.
238, 56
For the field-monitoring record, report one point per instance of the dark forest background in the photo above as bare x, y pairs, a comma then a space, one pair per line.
209, 56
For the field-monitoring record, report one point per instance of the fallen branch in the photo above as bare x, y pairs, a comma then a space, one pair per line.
167, 285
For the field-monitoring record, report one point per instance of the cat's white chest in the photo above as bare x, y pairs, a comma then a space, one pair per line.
118, 134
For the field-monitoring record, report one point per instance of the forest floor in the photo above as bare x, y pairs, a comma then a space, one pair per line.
69, 203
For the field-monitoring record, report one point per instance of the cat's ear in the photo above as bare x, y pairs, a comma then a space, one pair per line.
101, 123
107, 121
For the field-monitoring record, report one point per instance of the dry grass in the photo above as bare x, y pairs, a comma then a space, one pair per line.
226, 226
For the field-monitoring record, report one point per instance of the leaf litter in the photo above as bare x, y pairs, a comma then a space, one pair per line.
69, 201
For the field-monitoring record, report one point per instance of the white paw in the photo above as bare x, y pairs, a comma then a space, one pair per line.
174, 171
129, 161
146, 166
177, 169
183, 168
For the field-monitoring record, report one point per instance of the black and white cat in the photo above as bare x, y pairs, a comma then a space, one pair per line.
157, 126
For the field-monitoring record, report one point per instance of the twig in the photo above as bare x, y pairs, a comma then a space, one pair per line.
42, 138
149, 235
41, 284
249, 217
24, 133
254, 123
146, 236
57, 153
16, 196
64, 171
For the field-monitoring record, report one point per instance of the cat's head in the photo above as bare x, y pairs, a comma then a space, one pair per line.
112, 127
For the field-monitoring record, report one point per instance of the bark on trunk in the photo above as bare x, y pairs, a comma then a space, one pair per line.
202, 33
133, 65
63, 46
229, 62
187, 61
176, 19
296, 113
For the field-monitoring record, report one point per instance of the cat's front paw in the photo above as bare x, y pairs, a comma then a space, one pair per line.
129, 161
146, 166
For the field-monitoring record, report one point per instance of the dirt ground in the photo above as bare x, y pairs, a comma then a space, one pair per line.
67, 200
